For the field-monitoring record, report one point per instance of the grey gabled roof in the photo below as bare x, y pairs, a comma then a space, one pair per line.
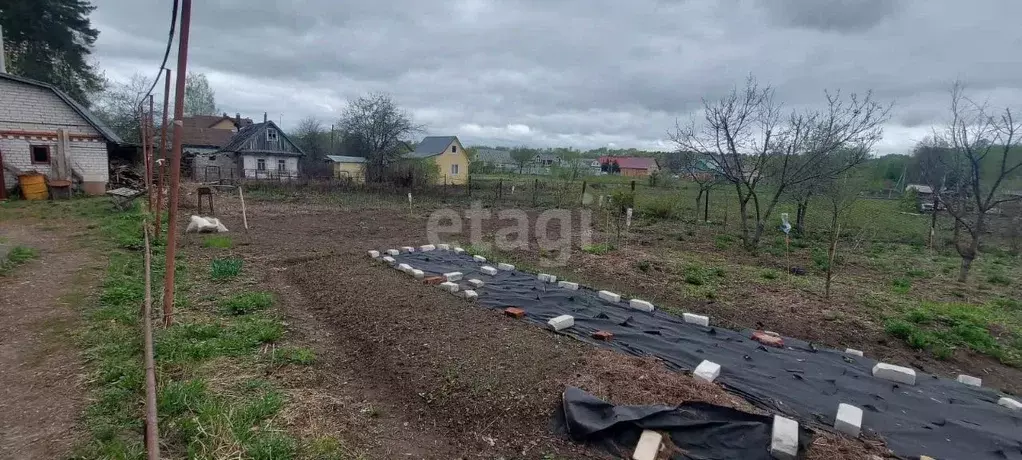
88, 116
431, 146
246, 132
345, 159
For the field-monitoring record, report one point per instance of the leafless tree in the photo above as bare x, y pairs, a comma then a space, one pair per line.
119, 104
373, 127
931, 157
981, 157
840, 193
314, 140
751, 144
694, 167
200, 99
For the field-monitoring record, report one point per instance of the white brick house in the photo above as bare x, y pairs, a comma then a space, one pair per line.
39, 122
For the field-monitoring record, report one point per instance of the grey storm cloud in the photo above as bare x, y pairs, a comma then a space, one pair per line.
585, 73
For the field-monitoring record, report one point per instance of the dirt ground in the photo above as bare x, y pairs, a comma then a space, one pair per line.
41, 372
406, 370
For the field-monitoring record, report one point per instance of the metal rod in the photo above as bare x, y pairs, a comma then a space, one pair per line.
150, 133
175, 162
163, 152
152, 433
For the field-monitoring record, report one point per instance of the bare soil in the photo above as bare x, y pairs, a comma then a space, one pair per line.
406, 370
41, 374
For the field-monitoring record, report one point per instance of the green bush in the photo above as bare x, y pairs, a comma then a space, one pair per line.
623, 199
663, 208
769, 274
695, 275
899, 329
598, 249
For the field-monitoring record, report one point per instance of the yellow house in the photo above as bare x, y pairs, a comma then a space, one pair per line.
345, 167
449, 156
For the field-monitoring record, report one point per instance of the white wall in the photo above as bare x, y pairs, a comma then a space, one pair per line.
250, 164
27, 108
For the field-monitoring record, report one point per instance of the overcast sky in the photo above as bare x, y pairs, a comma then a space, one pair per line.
582, 73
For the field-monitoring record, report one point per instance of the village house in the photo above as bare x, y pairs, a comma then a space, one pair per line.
223, 147
632, 166
346, 167
43, 130
449, 156
204, 135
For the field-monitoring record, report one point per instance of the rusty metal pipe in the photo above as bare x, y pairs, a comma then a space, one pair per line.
175, 161
163, 152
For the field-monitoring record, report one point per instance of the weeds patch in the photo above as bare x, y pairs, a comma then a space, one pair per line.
17, 256
598, 249
944, 327
221, 269
245, 303
218, 242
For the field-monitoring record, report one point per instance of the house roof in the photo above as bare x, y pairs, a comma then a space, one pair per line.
206, 121
88, 116
494, 156
345, 159
205, 137
919, 188
431, 146
630, 162
246, 132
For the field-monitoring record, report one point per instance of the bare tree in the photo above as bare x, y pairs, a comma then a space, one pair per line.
522, 156
200, 99
748, 141
118, 105
373, 127
694, 167
310, 136
981, 157
840, 193
931, 157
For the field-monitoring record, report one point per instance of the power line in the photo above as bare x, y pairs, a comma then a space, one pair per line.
166, 53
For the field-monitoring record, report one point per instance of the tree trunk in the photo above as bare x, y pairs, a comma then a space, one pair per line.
706, 207
800, 218
835, 231
933, 221
699, 200
963, 272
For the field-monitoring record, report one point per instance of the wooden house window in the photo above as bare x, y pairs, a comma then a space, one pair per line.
271, 134
281, 166
454, 169
454, 149
40, 154
261, 164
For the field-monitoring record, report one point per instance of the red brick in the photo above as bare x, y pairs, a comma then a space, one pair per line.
603, 335
768, 339
434, 280
514, 312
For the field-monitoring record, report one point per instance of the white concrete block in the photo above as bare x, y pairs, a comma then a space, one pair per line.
849, 420
449, 286
488, 270
427, 247
1009, 403
374, 254
784, 438
407, 249
707, 371
640, 305
478, 258
476, 283
547, 278
562, 322
459, 250
469, 294
568, 285
505, 267
610, 296
443, 247
393, 252
389, 260
696, 319
852, 351
453, 276
418, 274
894, 373
404, 267
970, 380
648, 446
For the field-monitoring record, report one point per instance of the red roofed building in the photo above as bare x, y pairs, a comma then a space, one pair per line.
632, 166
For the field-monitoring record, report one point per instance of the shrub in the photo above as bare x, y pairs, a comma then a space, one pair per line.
723, 241
899, 329
695, 275
623, 199
769, 274
662, 208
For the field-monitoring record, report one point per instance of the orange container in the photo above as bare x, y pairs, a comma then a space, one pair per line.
33, 186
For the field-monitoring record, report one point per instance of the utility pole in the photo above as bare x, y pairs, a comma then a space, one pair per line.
163, 151
175, 162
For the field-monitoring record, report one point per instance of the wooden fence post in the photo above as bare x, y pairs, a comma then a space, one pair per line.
535, 191
582, 198
633, 185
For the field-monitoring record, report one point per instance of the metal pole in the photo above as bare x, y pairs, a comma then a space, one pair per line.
150, 128
163, 151
152, 434
175, 162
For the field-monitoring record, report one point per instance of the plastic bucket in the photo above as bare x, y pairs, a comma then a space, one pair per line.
33, 186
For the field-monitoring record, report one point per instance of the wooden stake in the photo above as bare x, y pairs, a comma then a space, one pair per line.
244, 216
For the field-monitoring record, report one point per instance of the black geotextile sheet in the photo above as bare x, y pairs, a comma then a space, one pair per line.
701, 431
937, 417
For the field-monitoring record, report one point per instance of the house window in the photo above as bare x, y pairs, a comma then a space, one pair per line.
40, 154
261, 164
271, 134
454, 170
454, 149
281, 166
212, 158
